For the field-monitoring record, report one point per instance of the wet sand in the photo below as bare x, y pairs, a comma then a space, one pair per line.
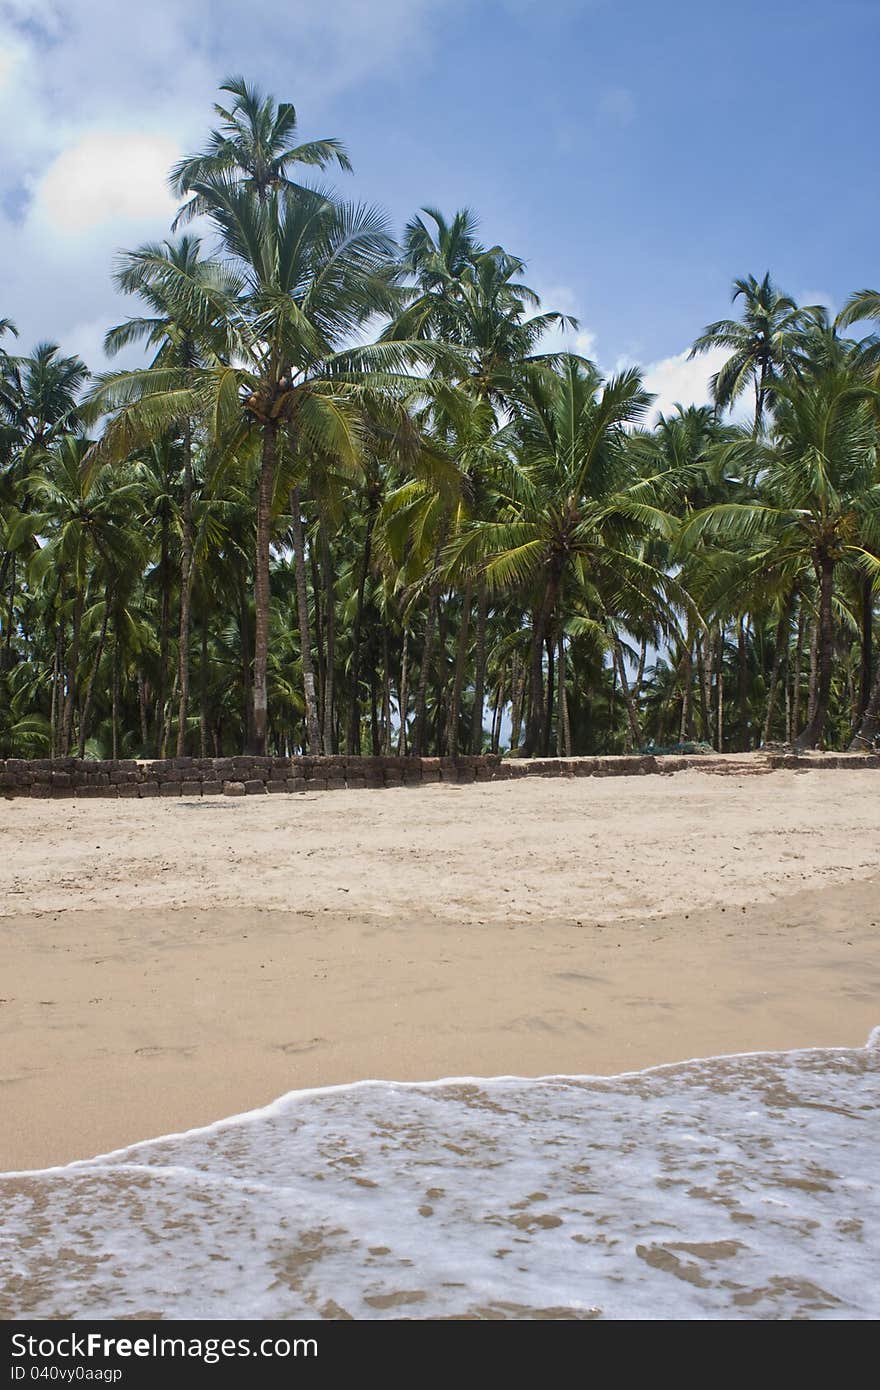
164, 964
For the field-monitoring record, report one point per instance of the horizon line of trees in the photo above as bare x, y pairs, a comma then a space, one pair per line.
351, 504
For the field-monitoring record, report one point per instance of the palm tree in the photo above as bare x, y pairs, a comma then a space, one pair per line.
764, 344
187, 337
89, 523
817, 503
474, 299
255, 145
572, 514
312, 273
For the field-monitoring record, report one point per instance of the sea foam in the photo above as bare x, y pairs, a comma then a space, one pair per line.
733, 1187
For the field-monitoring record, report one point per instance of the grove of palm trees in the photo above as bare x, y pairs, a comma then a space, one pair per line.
353, 503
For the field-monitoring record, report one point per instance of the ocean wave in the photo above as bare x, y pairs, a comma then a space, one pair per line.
728, 1187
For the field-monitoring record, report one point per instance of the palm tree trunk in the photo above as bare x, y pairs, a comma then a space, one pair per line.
386, 693
813, 692
867, 643
403, 694
540, 622
719, 692
780, 650
114, 712
870, 725
72, 668
268, 467
686, 689
796, 680
515, 697
305, 639
454, 712
142, 709
812, 734
87, 702
53, 707
704, 682
563, 732
479, 666
634, 738
535, 719
186, 581
329, 692
6, 660
353, 740
203, 687
418, 736
375, 736
497, 709
551, 687
246, 657
743, 685
165, 606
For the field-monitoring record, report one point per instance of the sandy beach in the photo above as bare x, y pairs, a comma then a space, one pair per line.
167, 963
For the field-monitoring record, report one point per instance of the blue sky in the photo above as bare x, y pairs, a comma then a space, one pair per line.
638, 155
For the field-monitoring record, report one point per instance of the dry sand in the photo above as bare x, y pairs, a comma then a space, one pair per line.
164, 963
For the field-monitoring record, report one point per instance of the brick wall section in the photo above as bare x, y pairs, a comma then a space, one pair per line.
245, 776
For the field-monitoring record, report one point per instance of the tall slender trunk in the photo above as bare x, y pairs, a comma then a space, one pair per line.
164, 611
375, 736
743, 685
719, 692
114, 711
320, 647
169, 713
305, 638
563, 698
386, 693
551, 688
265, 492
495, 737
535, 720
634, 737
142, 709
869, 728
813, 691
419, 721
72, 668
541, 620
246, 658
686, 688
186, 582
454, 711
704, 682
87, 702
780, 650
6, 660
560, 701
479, 665
403, 694
329, 691
353, 739
56, 690
867, 644
796, 682
517, 679
640, 674
203, 687
812, 734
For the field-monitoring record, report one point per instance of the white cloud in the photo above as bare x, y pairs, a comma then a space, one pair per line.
107, 176
94, 111
682, 380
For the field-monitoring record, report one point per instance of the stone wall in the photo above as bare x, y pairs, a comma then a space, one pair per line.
64, 777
